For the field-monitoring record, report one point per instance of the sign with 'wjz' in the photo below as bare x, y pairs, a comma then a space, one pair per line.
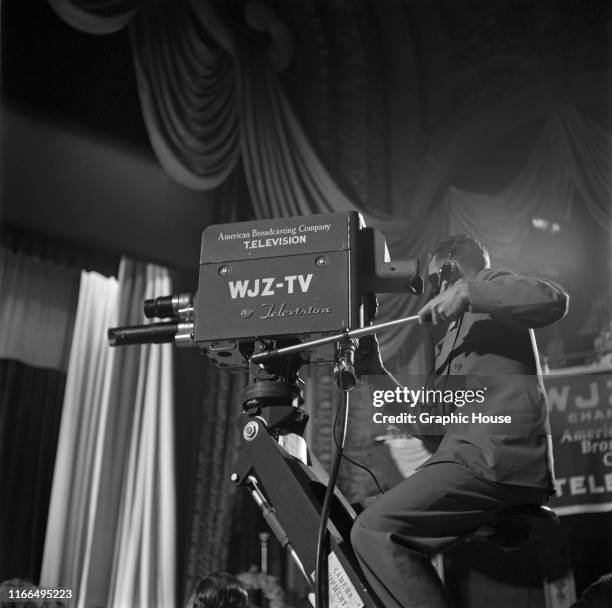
269, 286
274, 296
280, 277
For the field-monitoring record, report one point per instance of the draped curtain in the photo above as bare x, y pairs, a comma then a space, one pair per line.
143, 572
209, 539
572, 156
69, 542
30, 410
212, 97
37, 310
110, 535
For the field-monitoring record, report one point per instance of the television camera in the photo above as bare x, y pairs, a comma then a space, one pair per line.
273, 295
277, 282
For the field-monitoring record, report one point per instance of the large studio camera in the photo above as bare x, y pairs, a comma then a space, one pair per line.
273, 295
277, 282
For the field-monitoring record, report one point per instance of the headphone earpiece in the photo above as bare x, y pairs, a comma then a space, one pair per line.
449, 272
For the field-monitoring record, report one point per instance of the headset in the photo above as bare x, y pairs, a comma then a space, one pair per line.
446, 275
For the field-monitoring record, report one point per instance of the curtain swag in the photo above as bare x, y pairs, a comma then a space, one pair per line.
210, 99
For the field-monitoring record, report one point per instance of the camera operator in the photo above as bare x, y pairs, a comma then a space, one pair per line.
477, 469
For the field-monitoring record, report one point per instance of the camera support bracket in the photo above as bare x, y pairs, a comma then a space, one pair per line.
290, 495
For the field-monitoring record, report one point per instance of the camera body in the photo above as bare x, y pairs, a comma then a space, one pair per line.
288, 280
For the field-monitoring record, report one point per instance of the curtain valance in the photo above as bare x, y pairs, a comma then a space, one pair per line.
211, 97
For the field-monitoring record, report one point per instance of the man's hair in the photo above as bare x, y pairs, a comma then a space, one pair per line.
598, 595
465, 249
218, 590
22, 586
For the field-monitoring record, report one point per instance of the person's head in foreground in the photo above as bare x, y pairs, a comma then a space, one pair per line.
21, 593
598, 595
218, 590
456, 257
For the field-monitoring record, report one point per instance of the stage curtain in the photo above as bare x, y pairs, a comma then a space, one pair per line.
96, 16
72, 511
213, 498
187, 92
572, 156
37, 309
38, 302
30, 412
143, 572
110, 534
210, 96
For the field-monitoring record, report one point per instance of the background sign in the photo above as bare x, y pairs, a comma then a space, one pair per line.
581, 425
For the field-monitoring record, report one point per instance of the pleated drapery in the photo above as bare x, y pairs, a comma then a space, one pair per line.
79, 461
143, 570
211, 97
572, 157
111, 530
38, 301
30, 413
187, 92
97, 16
212, 505
37, 308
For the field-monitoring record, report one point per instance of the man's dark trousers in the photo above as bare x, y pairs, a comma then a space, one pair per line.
423, 515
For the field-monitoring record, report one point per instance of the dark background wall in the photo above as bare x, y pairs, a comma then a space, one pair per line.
97, 192
76, 164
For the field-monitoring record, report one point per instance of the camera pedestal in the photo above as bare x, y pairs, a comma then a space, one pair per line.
290, 490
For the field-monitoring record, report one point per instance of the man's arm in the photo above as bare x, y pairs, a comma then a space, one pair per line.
512, 299
523, 301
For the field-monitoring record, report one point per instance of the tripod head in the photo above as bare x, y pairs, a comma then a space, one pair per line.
274, 393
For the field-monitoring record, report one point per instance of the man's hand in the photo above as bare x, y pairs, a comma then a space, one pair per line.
446, 306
